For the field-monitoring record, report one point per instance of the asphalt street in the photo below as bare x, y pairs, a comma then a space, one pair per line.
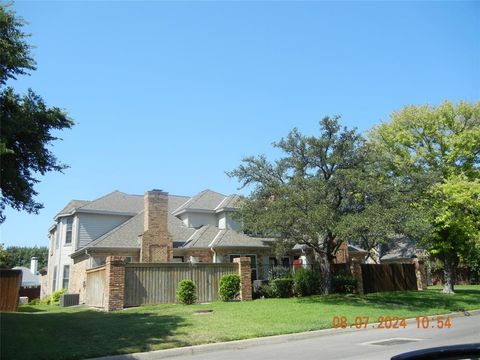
330, 344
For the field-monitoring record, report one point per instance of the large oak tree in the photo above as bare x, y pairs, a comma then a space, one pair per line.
26, 122
324, 190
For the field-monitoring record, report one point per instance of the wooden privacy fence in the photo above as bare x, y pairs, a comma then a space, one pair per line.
388, 277
10, 281
157, 283
95, 289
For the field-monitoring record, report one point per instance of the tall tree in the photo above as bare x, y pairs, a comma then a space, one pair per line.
312, 195
21, 256
26, 122
443, 144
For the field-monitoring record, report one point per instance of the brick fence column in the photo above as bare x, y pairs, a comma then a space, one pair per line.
115, 283
420, 274
356, 270
245, 272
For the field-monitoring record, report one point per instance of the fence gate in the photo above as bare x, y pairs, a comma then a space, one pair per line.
157, 283
95, 290
388, 277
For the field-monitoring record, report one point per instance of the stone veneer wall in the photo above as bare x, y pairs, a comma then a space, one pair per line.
156, 242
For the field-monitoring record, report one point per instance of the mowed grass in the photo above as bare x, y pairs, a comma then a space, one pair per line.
50, 332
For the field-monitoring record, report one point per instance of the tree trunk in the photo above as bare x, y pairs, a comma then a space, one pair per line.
448, 275
326, 272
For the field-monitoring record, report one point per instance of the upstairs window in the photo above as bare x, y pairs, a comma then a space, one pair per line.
68, 235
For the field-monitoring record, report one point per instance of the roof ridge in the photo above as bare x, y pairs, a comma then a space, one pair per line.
101, 197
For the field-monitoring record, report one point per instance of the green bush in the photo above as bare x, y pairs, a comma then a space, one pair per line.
267, 291
34, 302
344, 284
186, 292
279, 272
306, 282
229, 287
55, 297
283, 287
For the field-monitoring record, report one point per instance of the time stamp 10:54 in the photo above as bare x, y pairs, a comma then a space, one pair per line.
392, 322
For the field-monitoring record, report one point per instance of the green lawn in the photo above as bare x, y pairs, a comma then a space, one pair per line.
50, 332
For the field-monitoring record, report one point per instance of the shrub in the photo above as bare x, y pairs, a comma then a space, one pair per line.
229, 287
186, 292
34, 302
283, 287
267, 291
344, 284
306, 282
55, 297
279, 272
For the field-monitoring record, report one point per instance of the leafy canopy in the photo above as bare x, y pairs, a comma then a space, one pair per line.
27, 123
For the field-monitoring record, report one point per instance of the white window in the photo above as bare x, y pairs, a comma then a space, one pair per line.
66, 276
68, 234
54, 281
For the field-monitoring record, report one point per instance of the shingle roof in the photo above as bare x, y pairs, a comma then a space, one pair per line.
28, 279
116, 201
205, 200
401, 247
230, 202
72, 205
210, 236
126, 234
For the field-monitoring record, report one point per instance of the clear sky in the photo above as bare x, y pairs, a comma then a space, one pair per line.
170, 95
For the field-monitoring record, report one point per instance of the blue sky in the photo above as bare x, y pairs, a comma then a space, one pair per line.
170, 95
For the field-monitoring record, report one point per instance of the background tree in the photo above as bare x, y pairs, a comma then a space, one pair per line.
21, 256
443, 144
26, 123
312, 194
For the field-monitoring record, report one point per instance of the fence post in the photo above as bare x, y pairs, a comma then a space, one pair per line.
245, 272
420, 274
356, 270
115, 283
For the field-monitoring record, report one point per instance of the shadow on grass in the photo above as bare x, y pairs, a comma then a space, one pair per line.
409, 300
85, 334
29, 309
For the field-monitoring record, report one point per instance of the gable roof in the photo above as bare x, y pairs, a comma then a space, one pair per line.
206, 200
71, 206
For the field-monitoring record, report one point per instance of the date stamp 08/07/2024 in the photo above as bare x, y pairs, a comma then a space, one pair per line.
392, 322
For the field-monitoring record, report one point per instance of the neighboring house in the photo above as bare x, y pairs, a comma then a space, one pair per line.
156, 227
400, 249
30, 277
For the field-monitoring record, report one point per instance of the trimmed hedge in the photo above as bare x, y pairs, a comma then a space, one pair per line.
229, 287
186, 292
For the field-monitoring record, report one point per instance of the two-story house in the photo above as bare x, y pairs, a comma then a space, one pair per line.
156, 227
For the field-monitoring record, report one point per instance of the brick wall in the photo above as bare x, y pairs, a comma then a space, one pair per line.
115, 283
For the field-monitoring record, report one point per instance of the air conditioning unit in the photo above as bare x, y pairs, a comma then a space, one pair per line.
194, 259
69, 299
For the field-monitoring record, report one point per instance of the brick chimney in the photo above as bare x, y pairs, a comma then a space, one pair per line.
156, 243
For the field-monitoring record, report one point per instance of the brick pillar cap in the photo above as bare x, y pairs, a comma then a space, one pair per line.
242, 259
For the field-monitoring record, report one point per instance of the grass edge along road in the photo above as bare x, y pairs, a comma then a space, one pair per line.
51, 332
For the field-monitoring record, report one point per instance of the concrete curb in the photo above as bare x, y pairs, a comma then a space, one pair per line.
242, 344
